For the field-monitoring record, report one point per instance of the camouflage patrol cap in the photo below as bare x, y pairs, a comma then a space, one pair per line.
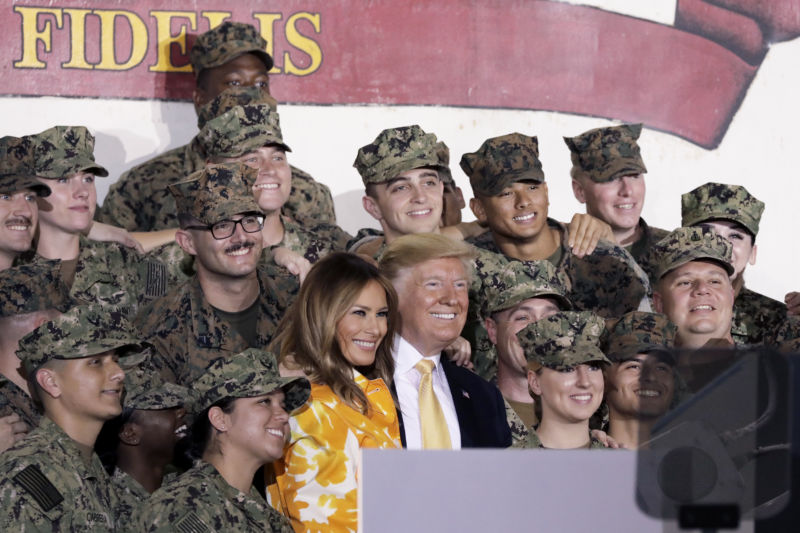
241, 130
502, 161
397, 150
717, 201
250, 373
638, 332
233, 97
83, 331
64, 150
33, 287
145, 390
217, 192
605, 153
16, 167
691, 244
518, 281
227, 41
563, 340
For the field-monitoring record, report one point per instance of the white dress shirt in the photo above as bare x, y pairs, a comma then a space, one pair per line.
406, 381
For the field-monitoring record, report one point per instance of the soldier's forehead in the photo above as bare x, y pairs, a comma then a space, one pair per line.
698, 266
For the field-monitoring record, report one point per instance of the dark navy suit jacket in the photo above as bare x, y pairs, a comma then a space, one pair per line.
479, 407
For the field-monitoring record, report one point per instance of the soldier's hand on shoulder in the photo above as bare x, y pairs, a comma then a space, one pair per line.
460, 353
792, 300
12, 430
584, 233
292, 261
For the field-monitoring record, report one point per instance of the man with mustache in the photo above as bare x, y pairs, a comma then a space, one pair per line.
229, 304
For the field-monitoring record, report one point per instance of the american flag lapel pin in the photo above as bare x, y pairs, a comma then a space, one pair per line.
465, 394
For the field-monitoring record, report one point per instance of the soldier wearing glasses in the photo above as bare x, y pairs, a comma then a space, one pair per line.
229, 304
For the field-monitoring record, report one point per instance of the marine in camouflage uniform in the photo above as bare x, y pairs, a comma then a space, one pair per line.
603, 155
139, 200
559, 342
28, 289
106, 273
46, 483
756, 317
186, 330
201, 499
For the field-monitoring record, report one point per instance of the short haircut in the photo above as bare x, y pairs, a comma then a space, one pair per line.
409, 251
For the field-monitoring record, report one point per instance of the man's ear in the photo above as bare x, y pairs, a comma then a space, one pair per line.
129, 434
658, 303
48, 381
491, 329
533, 383
198, 97
185, 241
753, 254
371, 206
459, 194
577, 190
477, 209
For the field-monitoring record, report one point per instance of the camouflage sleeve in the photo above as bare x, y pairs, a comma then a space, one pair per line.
519, 432
310, 202
161, 329
119, 207
18, 511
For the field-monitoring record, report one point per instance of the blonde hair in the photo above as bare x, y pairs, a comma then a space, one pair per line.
308, 331
409, 251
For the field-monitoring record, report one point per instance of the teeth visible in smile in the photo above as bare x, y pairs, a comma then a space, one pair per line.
18, 228
582, 397
240, 251
444, 316
523, 218
276, 432
649, 393
702, 308
625, 206
181, 429
364, 344
267, 186
418, 213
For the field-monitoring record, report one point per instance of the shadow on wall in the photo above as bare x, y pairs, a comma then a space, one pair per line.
350, 214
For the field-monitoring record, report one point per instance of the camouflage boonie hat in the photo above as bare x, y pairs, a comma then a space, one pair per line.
16, 167
233, 97
227, 41
502, 161
217, 192
241, 130
33, 287
563, 340
690, 244
518, 281
717, 201
639, 332
250, 373
146, 390
64, 150
83, 331
397, 150
605, 153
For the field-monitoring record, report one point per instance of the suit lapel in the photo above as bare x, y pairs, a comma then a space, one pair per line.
462, 402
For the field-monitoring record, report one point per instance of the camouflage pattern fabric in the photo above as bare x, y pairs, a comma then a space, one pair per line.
397, 150
241, 130
14, 400
179, 265
83, 331
233, 97
145, 390
717, 201
563, 340
606, 153
188, 334
130, 496
519, 281
202, 501
691, 244
111, 274
217, 193
140, 201
227, 41
520, 433
45, 485
16, 167
313, 244
245, 375
637, 332
502, 161
643, 250
756, 319
33, 287
533, 442
61, 151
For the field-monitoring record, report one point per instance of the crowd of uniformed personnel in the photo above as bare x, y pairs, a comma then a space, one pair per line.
165, 365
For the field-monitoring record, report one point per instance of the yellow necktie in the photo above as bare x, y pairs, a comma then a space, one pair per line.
435, 434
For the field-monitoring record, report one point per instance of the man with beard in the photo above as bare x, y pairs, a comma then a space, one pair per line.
229, 304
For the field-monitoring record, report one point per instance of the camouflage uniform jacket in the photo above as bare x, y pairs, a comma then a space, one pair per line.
202, 501
534, 442
188, 334
312, 243
46, 486
643, 251
115, 275
140, 201
756, 318
130, 497
15, 400
519, 431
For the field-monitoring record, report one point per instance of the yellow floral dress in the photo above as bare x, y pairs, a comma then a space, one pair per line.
317, 479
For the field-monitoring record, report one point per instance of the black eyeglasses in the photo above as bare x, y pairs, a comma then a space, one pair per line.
225, 228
